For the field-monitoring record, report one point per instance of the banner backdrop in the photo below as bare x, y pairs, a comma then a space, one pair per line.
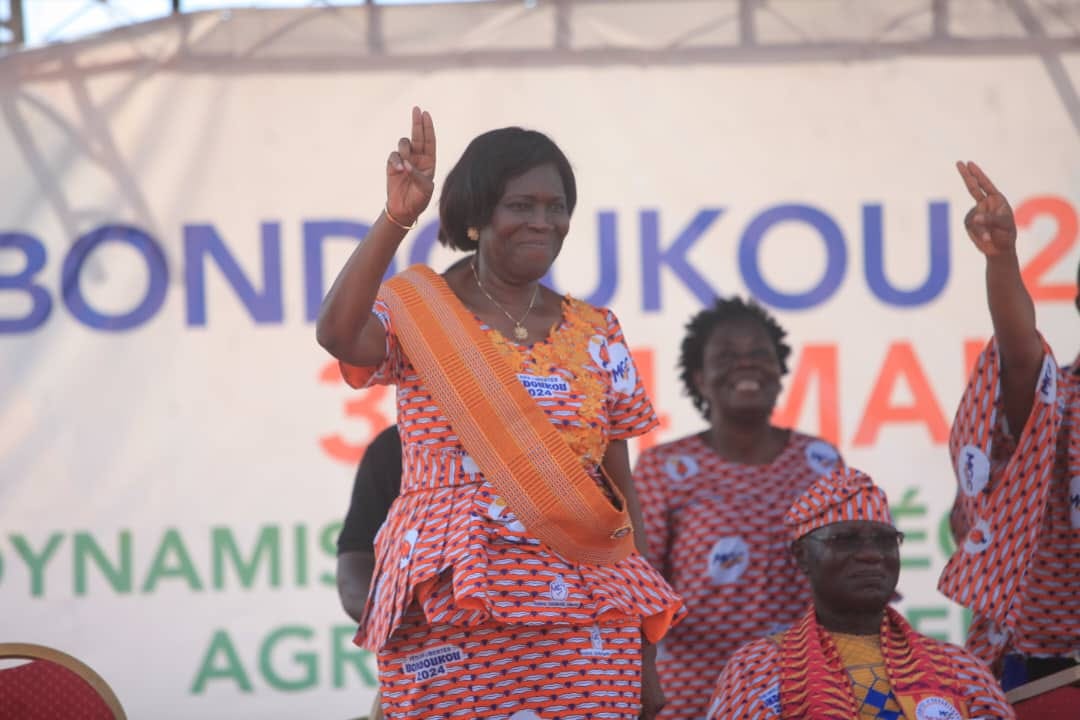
176, 452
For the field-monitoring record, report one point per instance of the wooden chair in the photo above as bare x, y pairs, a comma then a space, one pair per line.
1054, 697
54, 685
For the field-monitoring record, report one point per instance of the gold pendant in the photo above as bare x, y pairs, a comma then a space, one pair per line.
520, 332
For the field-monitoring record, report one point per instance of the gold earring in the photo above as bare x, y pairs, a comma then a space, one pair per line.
473, 234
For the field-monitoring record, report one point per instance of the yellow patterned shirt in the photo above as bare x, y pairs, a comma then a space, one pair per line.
865, 665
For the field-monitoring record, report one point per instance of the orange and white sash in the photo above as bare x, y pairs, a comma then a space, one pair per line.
502, 428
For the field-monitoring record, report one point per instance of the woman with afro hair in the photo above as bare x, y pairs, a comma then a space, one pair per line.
714, 502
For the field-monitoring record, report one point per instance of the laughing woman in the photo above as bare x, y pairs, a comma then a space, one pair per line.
714, 501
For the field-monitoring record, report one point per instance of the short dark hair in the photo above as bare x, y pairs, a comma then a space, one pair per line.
700, 328
477, 182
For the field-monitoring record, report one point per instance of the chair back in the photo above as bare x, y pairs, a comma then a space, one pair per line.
54, 685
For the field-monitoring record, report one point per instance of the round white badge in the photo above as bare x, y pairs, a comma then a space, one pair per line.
973, 470
936, 708
615, 359
728, 560
821, 457
680, 467
978, 538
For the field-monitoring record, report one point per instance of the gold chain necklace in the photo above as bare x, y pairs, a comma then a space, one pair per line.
520, 332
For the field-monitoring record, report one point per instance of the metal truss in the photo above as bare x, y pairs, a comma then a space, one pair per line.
721, 32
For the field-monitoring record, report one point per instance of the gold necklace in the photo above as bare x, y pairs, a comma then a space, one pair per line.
520, 332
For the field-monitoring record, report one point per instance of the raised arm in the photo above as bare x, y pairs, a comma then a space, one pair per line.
346, 327
992, 229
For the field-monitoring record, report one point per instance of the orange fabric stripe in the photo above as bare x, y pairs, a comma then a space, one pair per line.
519, 451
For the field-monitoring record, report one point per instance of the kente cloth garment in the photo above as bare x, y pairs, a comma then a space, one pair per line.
1017, 515
512, 672
845, 494
865, 665
715, 530
449, 523
804, 673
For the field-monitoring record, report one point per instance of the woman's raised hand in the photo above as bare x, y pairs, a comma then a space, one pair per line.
410, 171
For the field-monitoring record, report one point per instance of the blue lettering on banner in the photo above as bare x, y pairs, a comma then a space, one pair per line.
259, 288
155, 289
835, 254
23, 281
874, 258
265, 306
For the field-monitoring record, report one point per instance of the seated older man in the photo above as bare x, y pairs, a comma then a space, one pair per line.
851, 655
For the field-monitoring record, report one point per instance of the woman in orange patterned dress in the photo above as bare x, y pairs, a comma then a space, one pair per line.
507, 584
714, 501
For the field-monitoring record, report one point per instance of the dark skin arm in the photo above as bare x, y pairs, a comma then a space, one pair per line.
992, 229
355, 570
617, 467
346, 327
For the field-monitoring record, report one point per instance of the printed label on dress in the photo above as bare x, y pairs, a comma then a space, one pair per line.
433, 662
544, 386
558, 595
821, 457
680, 467
596, 644
973, 469
936, 708
728, 559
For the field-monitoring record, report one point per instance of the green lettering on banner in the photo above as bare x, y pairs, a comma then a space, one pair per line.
902, 511
269, 542
917, 615
119, 578
328, 541
233, 670
300, 540
172, 544
945, 538
306, 659
343, 652
36, 563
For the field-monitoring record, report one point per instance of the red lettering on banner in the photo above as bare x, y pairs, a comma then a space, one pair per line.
645, 361
363, 405
972, 350
1056, 250
901, 362
814, 361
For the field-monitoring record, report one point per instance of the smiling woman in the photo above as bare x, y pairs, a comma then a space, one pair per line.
511, 548
714, 501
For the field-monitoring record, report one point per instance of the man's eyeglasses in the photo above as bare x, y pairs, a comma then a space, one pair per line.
884, 541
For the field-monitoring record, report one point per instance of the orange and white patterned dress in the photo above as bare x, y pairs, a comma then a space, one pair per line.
470, 616
716, 532
749, 687
1017, 515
